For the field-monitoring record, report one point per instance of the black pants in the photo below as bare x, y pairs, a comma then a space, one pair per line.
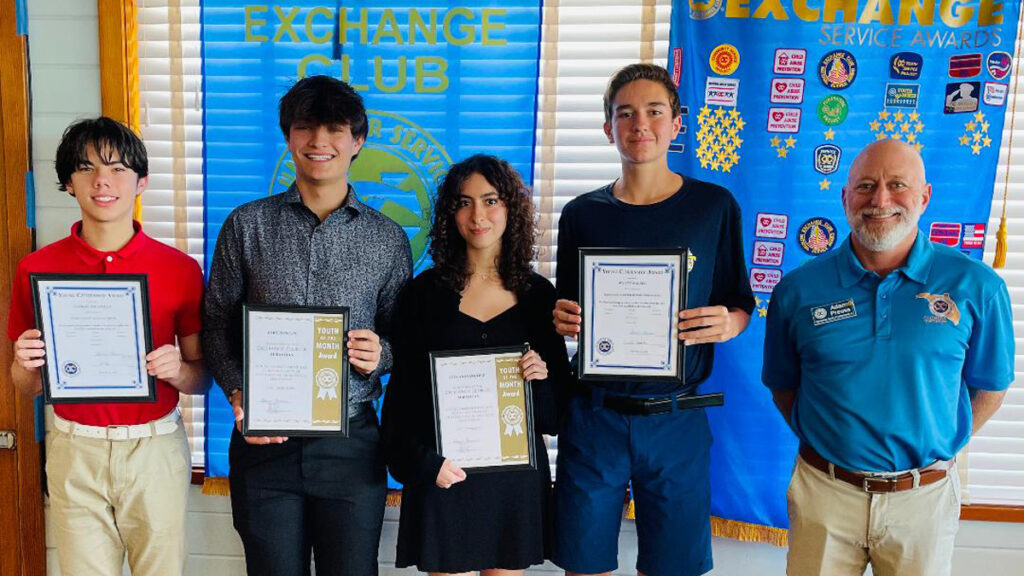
323, 496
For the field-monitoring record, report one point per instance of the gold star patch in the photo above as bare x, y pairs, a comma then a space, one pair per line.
791, 142
830, 134
775, 141
965, 140
979, 116
824, 184
875, 125
898, 116
976, 149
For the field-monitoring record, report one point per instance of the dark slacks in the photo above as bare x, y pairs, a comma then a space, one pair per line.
311, 496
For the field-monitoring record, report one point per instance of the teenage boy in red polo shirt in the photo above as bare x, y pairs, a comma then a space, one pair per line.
118, 474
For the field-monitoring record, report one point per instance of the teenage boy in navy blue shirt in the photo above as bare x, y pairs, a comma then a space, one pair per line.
605, 445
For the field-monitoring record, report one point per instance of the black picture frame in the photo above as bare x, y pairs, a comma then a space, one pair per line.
528, 408
683, 255
37, 280
343, 372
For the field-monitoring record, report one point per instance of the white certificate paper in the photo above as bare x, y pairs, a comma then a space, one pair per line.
482, 409
96, 337
294, 372
630, 306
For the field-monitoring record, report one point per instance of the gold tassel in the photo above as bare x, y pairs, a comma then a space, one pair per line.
216, 486
1000, 258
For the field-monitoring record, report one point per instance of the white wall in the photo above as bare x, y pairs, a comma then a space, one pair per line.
63, 44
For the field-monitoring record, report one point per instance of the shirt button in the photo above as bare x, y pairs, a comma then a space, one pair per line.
884, 315
884, 296
484, 336
110, 258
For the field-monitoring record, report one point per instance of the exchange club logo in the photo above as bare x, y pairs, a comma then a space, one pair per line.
817, 236
604, 346
837, 69
70, 368
942, 307
396, 173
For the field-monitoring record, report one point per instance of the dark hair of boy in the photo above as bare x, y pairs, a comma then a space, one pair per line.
635, 72
112, 141
323, 101
448, 247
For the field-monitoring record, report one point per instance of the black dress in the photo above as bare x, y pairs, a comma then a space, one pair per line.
490, 520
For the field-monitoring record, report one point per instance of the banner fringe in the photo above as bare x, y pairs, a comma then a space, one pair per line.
394, 499
735, 530
216, 486
746, 532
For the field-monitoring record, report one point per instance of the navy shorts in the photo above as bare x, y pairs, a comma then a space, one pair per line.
666, 457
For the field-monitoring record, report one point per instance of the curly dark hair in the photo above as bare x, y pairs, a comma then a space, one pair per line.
448, 247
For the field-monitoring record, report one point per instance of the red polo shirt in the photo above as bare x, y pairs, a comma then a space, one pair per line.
175, 297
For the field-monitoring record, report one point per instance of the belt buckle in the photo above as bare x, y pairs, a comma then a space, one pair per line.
866, 484
117, 432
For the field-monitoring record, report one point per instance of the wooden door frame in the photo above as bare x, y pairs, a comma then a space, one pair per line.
21, 497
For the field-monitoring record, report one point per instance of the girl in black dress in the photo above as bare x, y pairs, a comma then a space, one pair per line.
480, 293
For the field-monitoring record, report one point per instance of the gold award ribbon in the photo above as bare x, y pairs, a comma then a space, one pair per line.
512, 409
328, 339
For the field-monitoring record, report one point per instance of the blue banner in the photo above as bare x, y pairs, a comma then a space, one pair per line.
779, 97
441, 81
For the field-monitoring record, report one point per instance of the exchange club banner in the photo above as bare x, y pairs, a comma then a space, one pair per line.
441, 81
779, 97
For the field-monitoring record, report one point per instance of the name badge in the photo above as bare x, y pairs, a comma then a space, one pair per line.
834, 312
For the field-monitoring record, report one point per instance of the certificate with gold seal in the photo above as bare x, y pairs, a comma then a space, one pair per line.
295, 368
483, 409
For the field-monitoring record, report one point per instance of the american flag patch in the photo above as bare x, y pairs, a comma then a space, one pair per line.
974, 236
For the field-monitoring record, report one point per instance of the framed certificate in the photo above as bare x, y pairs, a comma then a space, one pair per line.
483, 409
97, 334
295, 366
631, 299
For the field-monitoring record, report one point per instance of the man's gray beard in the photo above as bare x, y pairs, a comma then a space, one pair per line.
885, 239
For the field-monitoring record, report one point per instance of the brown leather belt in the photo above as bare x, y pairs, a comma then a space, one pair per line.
877, 484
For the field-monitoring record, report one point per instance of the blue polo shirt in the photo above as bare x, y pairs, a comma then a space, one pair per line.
884, 367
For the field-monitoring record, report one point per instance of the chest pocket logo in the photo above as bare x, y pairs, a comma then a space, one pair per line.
942, 307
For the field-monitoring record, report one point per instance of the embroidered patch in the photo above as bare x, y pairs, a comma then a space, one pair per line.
905, 65
834, 312
817, 236
837, 69
942, 308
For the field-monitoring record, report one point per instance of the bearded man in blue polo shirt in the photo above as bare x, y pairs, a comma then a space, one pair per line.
884, 356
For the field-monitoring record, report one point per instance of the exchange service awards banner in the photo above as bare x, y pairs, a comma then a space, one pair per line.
441, 81
779, 97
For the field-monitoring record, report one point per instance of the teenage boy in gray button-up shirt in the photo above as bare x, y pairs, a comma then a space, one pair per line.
313, 245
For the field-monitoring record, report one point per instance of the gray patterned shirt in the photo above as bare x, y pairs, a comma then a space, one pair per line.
275, 251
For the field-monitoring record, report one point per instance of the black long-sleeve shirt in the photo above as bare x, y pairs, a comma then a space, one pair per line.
428, 319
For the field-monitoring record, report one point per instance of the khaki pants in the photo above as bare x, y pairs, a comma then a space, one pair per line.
109, 498
836, 529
